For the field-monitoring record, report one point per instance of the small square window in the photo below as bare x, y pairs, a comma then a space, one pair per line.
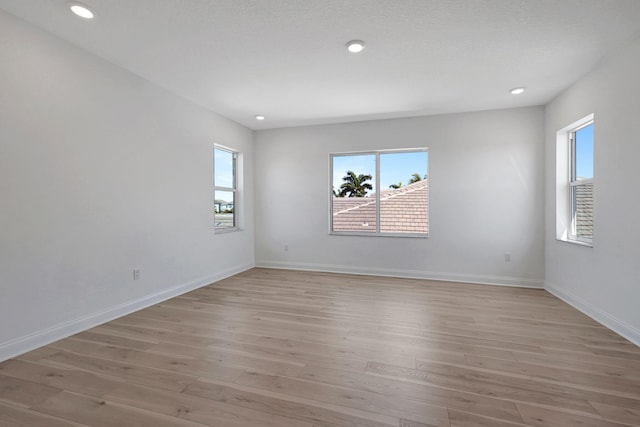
380, 193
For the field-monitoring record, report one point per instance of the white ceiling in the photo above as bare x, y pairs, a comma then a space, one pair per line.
286, 58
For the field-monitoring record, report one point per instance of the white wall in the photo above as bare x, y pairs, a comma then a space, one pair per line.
603, 281
486, 198
101, 172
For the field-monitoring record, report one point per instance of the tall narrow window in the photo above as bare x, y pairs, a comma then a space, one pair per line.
581, 140
224, 188
575, 182
380, 193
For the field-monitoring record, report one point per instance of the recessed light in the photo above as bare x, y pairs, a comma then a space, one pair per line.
259, 117
516, 90
355, 46
81, 10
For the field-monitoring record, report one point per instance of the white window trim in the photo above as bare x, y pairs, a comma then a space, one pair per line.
234, 190
565, 182
377, 233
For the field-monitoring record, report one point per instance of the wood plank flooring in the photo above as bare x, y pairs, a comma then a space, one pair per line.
286, 348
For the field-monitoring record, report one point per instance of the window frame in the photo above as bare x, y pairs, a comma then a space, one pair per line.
377, 188
574, 183
233, 189
567, 183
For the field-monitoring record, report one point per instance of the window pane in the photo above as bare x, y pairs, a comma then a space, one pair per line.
354, 214
223, 168
353, 200
584, 153
582, 196
224, 213
404, 193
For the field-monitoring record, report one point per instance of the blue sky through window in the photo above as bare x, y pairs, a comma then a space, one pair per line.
584, 152
223, 168
360, 164
394, 167
398, 167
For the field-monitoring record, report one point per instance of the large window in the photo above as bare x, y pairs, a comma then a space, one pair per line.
574, 182
380, 193
225, 188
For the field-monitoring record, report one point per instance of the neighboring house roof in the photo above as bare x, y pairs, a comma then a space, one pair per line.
404, 210
584, 210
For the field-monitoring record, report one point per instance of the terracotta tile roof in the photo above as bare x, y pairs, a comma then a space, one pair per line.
404, 210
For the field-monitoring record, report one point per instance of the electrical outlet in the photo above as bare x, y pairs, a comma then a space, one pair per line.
136, 274
507, 257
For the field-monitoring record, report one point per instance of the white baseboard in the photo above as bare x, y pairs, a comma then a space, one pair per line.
606, 319
54, 333
409, 274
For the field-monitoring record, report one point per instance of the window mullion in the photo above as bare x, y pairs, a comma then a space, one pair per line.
572, 142
572, 181
378, 193
224, 189
234, 170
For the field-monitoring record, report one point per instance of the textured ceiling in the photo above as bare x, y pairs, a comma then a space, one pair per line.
286, 58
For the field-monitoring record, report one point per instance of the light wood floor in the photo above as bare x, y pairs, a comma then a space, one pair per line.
284, 348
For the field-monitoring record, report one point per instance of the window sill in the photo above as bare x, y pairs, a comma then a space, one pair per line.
226, 230
409, 235
576, 242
